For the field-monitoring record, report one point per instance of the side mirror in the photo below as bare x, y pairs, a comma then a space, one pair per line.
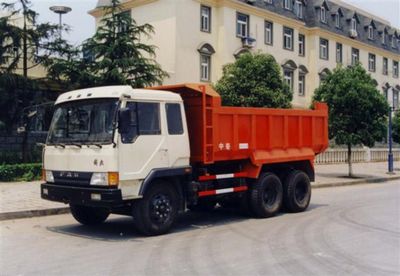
124, 120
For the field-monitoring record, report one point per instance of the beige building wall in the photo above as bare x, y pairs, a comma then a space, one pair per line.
178, 38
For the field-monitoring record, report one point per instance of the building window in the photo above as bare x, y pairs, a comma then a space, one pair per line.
353, 24
205, 66
242, 25
393, 41
302, 45
337, 20
124, 24
269, 32
371, 62
205, 23
287, 4
268, 1
370, 32
339, 53
287, 38
385, 66
395, 69
383, 38
355, 56
288, 77
323, 14
396, 99
302, 84
323, 48
299, 8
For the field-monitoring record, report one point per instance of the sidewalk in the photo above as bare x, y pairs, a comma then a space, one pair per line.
22, 199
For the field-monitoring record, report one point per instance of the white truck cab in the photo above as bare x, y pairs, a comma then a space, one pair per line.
87, 151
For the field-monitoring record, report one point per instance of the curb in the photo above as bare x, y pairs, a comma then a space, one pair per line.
355, 182
66, 210
34, 213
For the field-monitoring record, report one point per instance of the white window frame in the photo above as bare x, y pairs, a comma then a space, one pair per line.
269, 32
288, 38
205, 67
302, 85
383, 38
323, 14
337, 20
339, 53
385, 66
370, 32
355, 56
371, 62
353, 24
393, 41
395, 69
299, 9
287, 4
323, 49
288, 77
302, 43
205, 18
242, 27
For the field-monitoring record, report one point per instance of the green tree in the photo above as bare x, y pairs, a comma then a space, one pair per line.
357, 111
114, 55
396, 127
254, 80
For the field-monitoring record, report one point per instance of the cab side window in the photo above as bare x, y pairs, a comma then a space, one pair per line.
145, 120
174, 119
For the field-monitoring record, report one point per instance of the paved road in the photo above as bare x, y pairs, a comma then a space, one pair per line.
347, 230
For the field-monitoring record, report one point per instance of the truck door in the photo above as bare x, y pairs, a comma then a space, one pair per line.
145, 147
177, 136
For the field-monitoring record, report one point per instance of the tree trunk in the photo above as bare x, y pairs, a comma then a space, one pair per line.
349, 160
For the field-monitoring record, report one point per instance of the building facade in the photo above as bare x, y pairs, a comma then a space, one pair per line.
308, 38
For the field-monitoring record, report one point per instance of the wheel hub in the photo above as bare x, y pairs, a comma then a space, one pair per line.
160, 208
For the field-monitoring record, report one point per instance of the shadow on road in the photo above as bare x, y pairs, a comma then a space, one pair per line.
121, 228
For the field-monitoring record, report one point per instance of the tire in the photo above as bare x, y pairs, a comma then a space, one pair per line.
203, 205
89, 215
266, 196
297, 192
156, 212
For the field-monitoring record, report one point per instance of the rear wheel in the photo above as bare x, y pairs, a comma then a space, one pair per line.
297, 192
89, 215
266, 196
156, 212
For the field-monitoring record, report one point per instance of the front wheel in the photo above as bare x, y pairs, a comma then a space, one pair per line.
156, 212
266, 195
89, 215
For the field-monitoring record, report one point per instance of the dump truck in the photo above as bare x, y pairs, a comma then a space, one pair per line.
155, 153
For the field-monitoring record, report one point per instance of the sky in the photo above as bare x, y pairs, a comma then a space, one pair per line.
83, 24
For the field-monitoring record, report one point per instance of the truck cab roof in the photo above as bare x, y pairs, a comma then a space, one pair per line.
117, 91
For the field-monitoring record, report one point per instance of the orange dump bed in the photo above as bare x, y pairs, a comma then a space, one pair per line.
261, 135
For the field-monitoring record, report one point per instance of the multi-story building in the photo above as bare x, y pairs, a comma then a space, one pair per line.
308, 38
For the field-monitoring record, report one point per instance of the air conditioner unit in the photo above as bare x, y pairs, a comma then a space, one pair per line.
248, 42
353, 33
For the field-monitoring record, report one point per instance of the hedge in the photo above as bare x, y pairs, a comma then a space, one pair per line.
21, 172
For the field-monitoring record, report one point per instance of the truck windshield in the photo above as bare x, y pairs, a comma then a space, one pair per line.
83, 122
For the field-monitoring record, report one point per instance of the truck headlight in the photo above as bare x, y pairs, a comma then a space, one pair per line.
105, 179
99, 179
48, 176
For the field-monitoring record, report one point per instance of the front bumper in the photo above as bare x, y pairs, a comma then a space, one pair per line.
109, 198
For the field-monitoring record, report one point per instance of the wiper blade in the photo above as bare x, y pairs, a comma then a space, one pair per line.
60, 145
96, 145
76, 145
